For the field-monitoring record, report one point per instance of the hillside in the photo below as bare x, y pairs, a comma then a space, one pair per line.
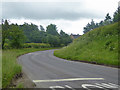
98, 46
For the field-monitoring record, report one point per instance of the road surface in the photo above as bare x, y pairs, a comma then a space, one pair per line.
48, 71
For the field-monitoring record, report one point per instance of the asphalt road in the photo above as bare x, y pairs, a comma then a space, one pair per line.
48, 71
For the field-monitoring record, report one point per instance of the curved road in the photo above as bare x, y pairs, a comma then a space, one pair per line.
48, 71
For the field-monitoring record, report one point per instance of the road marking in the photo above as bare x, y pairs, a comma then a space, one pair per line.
71, 79
53, 87
106, 85
90, 85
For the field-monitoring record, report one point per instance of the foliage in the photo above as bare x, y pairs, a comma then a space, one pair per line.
5, 32
116, 16
15, 35
12, 33
36, 45
52, 29
108, 20
99, 45
64, 38
54, 41
41, 28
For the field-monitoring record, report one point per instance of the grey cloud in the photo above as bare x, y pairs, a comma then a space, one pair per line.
45, 10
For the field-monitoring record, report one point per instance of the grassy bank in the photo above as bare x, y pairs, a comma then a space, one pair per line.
10, 67
98, 46
0, 68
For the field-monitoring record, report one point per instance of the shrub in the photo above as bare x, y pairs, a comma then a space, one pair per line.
36, 45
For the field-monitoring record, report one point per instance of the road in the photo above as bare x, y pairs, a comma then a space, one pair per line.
48, 71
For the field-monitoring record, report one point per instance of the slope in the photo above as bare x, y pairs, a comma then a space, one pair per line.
99, 46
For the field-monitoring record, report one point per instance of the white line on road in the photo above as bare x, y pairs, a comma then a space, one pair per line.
71, 79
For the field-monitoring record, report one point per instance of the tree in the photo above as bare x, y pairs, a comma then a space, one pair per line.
116, 16
65, 39
107, 17
87, 28
62, 33
92, 26
41, 28
52, 29
53, 40
16, 37
5, 31
107, 20
30, 31
101, 23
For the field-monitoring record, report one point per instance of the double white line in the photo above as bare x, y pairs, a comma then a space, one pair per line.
71, 79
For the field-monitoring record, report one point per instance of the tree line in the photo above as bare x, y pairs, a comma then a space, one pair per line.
15, 35
108, 20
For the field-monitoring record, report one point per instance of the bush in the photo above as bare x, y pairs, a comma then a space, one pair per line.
36, 45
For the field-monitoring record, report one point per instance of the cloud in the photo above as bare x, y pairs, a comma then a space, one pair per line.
47, 10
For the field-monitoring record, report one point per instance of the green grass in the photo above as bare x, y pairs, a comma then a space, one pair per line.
99, 45
29, 45
20, 85
10, 67
0, 69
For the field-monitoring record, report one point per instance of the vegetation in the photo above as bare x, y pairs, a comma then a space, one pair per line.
21, 39
49, 36
0, 68
99, 46
108, 20
10, 67
16, 35
30, 45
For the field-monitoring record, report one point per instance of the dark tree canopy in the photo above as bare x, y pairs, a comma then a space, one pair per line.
16, 35
108, 20
116, 16
52, 29
41, 28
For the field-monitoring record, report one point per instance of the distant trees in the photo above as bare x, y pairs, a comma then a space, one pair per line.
106, 21
90, 26
65, 38
54, 41
52, 29
12, 34
15, 35
41, 28
116, 15
5, 32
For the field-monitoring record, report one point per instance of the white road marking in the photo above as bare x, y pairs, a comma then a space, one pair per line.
67, 86
90, 85
53, 87
71, 79
114, 84
106, 85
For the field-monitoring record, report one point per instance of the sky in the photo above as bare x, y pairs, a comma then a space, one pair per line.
69, 15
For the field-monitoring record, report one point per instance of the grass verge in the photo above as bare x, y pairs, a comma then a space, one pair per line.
10, 67
99, 46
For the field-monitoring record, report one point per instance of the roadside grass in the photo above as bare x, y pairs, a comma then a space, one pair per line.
98, 46
0, 68
20, 86
10, 67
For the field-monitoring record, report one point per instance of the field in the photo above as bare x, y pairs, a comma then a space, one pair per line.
98, 46
10, 67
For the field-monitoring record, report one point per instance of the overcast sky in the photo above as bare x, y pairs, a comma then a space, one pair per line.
69, 15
